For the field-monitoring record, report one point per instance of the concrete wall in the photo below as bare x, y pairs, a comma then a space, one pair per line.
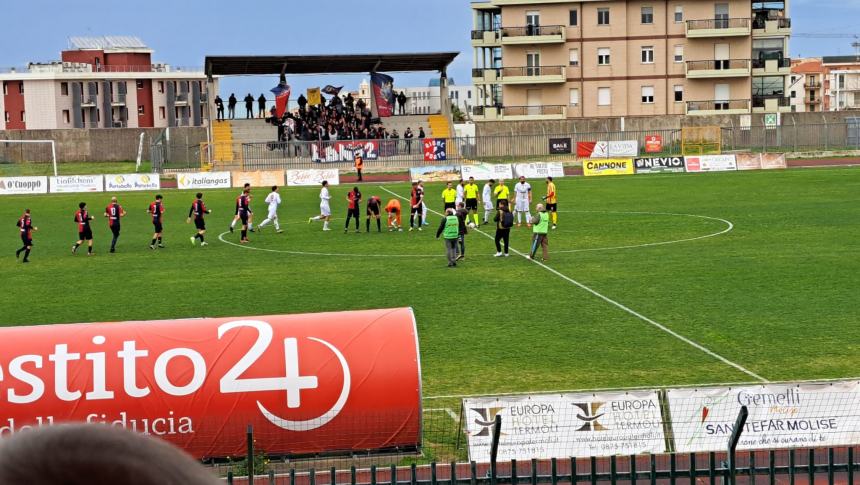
105, 145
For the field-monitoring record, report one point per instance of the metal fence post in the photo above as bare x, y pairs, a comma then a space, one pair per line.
733, 443
494, 449
230, 478
271, 477
250, 459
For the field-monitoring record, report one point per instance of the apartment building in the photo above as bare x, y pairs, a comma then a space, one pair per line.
806, 86
102, 82
829, 83
557, 59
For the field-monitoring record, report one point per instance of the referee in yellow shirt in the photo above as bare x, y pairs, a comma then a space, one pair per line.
502, 193
471, 192
551, 199
449, 196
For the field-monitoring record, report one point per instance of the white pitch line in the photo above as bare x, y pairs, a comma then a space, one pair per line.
622, 307
450, 412
341, 255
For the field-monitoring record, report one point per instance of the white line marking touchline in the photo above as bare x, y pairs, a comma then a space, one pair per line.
621, 306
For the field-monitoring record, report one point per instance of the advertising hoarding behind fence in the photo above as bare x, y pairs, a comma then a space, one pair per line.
659, 164
559, 146
711, 163
607, 149
566, 425
435, 173
780, 416
264, 178
23, 185
309, 383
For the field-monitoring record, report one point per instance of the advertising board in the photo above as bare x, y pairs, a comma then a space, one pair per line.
313, 177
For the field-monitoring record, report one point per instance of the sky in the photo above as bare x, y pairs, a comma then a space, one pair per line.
183, 32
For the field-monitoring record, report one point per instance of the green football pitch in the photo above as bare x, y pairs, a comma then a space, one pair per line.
652, 280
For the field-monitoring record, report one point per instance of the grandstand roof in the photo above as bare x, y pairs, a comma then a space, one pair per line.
328, 64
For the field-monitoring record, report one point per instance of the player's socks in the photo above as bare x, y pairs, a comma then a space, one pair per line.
153, 242
113, 244
554, 218
75, 248
89, 250
26, 255
475, 218
378, 226
244, 234
528, 218
201, 238
277, 226
233, 225
160, 243
18, 252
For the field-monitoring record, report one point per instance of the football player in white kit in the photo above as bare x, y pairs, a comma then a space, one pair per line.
461, 191
522, 206
423, 205
487, 199
325, 209
273, 200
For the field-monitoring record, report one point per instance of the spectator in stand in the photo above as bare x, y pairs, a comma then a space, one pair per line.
421, 134
231, 106
401, 101
219, 108
407, 135
249, 106
303, 102
261, 104
395, 139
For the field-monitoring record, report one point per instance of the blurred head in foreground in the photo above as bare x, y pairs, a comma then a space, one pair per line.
96, 455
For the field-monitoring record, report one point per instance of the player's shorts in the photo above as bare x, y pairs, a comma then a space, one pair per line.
552, 207
352, 212
471, 204
158, 227
450, 205
200, 224
394, 212
273, 214
522, 205
417, 210
114, 228
85, 235
325, 210
488, 204
243, 217
28, 241
373, 210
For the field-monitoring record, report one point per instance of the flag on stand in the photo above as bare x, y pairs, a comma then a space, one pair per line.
282, 98
383, 92
332, 90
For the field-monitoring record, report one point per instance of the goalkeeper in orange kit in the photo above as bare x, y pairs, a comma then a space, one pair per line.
394, 215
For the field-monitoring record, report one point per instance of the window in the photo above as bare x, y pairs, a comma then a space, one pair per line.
679, 93
23, 115
574, 18
603, 56
841, 78
648, 94
793, 79
66, 116
469, 94
160, 86
574, 57
5, 90
6, 115
21, 87
64, 89
604, 96
602, 16
679, 13
679, 53
647, 15
648, 54
533, 18
139, 84
574, 96
763, 49
773, 86
794, 94
95, 88
141, 110
98, 115
533, 64
162, 113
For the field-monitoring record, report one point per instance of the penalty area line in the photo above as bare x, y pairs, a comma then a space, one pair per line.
618, 305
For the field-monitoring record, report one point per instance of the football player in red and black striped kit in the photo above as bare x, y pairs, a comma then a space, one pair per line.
198, 211
114, 212
156, 210
246, 190
85, 232
25, 226
244, 213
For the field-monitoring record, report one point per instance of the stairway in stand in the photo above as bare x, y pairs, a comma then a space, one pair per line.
222, 141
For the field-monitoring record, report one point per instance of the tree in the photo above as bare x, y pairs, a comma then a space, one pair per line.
456, 114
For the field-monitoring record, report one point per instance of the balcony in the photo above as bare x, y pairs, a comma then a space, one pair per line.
89, 100
181, 99
812, 84
117, 100
533, 34
771, 104
718, 69
700, 29
486, 38
771, 67
809, 100
519, 113
718, 107
519, 75
761, 26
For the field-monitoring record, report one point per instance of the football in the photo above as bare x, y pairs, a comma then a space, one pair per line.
472, 225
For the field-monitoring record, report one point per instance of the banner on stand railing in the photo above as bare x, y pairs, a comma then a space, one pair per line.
487, 171
539, 170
